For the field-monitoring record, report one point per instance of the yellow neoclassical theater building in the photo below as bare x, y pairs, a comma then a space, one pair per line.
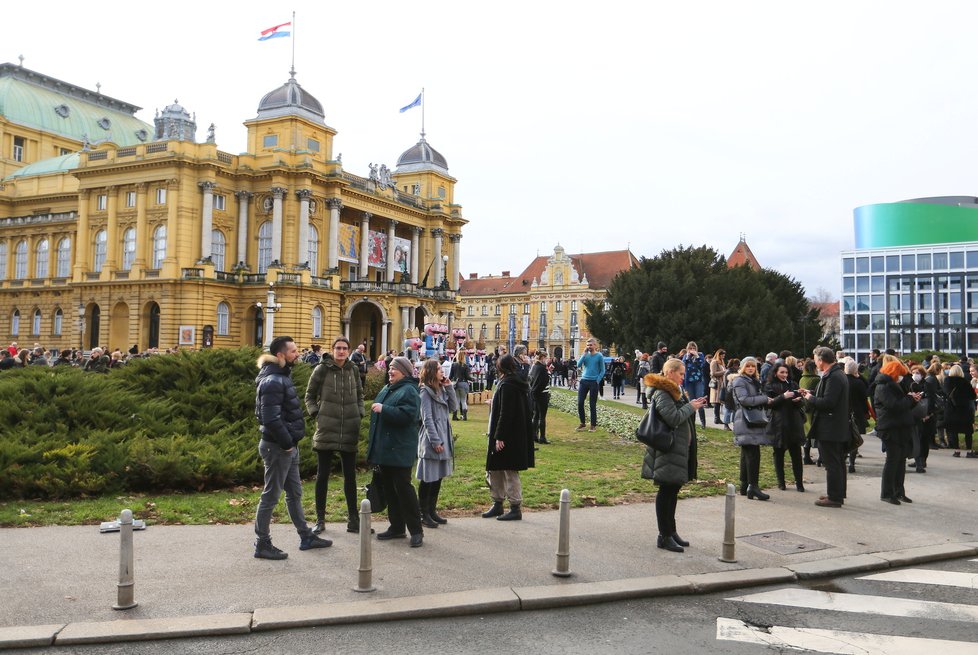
115, 232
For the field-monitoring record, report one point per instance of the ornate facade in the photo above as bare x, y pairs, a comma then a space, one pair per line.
542, 307
116, 232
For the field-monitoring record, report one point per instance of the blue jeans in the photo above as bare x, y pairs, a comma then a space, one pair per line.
281, 473
697, 389
584, 388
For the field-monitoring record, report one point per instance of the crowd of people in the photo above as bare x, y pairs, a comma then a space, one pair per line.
98, 360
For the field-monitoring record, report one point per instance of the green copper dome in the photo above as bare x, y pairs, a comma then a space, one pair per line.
61, 164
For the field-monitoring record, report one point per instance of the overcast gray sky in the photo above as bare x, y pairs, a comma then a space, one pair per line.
597, 125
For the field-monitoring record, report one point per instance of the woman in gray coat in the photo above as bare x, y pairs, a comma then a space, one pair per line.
334, 399
670, 470
435, 444
748, 394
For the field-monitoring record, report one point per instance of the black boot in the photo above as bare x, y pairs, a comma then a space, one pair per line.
455, 415
753, 492
265, 550
494, 511
424, 497
668, 543
514, 513
465, 415
433, 501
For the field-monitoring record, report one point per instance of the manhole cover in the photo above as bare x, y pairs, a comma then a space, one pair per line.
784, 543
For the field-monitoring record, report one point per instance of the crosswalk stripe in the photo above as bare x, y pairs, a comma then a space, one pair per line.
927, 576
837, 641
861, 604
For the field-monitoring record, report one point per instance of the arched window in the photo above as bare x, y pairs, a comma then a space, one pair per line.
128, 248
470, 331
317, 322
3, 260
15, 323
223, 314
159, 246
496, 332
41, 258
36, 323
264, 246
59, 317
483, 332
313, 248
100, 244
64, 257
20, 261
218, 249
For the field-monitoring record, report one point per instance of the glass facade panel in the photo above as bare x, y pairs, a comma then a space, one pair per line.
957, 260
878, 322
862, 283
848, 303
862, 264
848, 284
923, 262
940, 261
876, 264
892, 263
878, 283
862, 303
972, 259
925, 340
862, 321
849, 264
908, 263
878, 303
878, 340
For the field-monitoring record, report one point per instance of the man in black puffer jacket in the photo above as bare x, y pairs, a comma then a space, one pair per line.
282, 425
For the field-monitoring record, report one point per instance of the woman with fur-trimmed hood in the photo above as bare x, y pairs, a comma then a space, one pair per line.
672, 469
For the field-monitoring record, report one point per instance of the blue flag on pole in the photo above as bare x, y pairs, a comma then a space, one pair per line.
415, 103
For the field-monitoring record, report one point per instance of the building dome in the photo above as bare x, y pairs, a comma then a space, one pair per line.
175, 123
419, 157
291, 99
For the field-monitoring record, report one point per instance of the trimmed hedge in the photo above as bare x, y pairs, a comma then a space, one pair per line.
167, 423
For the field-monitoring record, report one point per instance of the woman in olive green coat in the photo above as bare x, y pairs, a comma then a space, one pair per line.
670, 470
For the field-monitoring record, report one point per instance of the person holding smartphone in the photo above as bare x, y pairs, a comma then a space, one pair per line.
591, 367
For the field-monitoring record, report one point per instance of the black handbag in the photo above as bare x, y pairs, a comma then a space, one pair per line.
756, 417
654, 433
375, 493
855, 436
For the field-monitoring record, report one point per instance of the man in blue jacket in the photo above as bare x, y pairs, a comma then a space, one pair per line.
282, 425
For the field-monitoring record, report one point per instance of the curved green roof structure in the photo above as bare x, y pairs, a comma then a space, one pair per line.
54, 165
916, 222
40, 102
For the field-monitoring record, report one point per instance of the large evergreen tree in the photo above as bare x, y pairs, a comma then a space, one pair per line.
689, 294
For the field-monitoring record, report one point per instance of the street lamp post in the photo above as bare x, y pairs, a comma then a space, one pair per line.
271, 308
81, 326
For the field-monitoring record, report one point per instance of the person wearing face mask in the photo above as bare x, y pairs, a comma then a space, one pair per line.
959, 413
895, 426
923, 425
787, 424
858, 404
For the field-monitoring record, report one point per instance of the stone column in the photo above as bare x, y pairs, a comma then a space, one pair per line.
384, 347
346, 327
415, 252
405, 314
391, 227
456, 240
81, 240
170, 268
206, 220
365, 246
139, 259
439, 272
335, 205
278, 193
303, 252
112, 233
243, 197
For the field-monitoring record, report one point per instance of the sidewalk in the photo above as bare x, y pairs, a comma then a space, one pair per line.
62, 575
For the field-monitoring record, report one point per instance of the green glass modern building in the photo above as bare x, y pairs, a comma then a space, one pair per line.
911, 283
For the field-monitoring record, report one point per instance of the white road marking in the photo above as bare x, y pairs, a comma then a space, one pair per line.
837, 641
857, 603
927, 576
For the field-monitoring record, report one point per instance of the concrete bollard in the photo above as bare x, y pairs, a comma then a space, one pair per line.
126, 586
366, 570
563, 537
729, 553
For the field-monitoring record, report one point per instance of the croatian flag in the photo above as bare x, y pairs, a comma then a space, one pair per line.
414, 103
275, 32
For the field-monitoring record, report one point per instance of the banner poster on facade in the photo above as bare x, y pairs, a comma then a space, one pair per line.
377, 252
526, 327
402, 255
349, 243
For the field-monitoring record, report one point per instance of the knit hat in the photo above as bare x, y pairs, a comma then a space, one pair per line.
894, 369
404, 365
660, 345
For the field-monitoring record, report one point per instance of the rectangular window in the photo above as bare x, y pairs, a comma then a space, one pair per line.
312, 145
269, 141
512, 309
923, 262
957, 259
848, 284
878, 282
485, 310
892, 263
101, 202
354, 273
58, 318
526, 308
862, 264
848, 265
219, 202
908, 263
161, 196
972, 260
130, 198
543, 306
471, 311
573, 305
558, 306
876, 264
62, 152
862, 283
876, 304
498, 309
940, 261
19, 145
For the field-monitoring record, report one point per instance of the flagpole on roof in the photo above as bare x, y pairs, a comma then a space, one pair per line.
422, 112
293, 43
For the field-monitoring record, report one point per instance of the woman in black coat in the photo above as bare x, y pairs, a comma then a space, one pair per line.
787, 424
510, 448
858, 405
959, 411
924, 429
936, 403
894, 425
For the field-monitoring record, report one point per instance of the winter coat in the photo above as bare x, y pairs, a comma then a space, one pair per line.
858, 394
747, 392
509, 422
657, 362
673, 406
436, 430
830, 407
334, 397
394, 430
787, 424
696, 368
893, 407
459, 372
959, 409
539, 381
277, 405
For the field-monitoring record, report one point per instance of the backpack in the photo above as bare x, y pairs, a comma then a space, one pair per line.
728, 398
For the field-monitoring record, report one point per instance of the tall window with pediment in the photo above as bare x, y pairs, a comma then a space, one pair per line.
313, 248
218, 249
223, 318
128, 248
41, 258
20, 261
15, 323
100, 248
64, 257
3, 260
264, 246
317, 322
36, 323
159, 246
59, 318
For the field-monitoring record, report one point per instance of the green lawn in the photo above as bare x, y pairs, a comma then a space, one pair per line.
599, 468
